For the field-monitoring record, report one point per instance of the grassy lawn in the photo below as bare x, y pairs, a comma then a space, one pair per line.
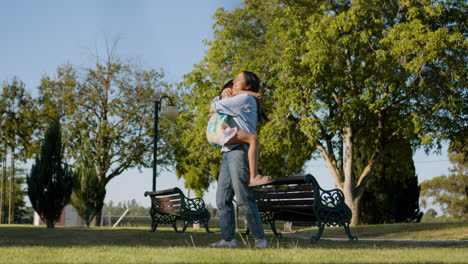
28, 244
421, 231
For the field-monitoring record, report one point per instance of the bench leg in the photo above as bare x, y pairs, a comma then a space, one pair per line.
319, 233
348, 232
154, 220
154, 225
246, 233
205, 224
186, 223
273, 228
175, 227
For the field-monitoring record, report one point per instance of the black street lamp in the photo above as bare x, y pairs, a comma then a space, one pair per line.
171, 114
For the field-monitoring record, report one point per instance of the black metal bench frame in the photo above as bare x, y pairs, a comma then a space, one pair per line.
168, 206
300, 199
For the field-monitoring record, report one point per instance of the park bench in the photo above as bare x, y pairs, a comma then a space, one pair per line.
300, 200
168, 206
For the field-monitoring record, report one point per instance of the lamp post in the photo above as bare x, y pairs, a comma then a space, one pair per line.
171, 114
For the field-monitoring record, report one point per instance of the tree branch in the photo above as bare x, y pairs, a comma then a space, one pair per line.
379, 148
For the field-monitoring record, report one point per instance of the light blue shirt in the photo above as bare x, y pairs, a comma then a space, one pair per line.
243, 110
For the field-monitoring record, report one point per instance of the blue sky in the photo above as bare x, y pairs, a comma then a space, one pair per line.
38, 36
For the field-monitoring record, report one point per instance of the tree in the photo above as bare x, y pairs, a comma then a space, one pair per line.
198, 162
451, 191
331, 67
87, 195
17, 124
392, 195
109, 104
20, 193
50, 181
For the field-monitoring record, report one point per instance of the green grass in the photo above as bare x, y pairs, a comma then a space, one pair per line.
28, 244
421, 231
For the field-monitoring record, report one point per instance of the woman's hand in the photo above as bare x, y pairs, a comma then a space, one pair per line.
259, 97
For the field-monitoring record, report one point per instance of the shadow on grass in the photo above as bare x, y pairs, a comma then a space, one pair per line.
27, 236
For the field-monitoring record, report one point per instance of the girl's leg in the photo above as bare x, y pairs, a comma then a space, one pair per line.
243, 137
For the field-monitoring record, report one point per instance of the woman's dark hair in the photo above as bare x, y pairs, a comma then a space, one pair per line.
229, 84
252, 80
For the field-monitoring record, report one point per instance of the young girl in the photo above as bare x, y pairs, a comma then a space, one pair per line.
219, 133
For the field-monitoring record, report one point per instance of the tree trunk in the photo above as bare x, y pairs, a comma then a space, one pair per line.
97, 218
11, 208
355, 210
3, 196
50, 224
349, 188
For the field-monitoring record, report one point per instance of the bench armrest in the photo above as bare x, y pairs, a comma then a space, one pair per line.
162, 192
194, 204
332, 198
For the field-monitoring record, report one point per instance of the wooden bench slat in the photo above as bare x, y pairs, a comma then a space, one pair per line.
270, 207
264, 196
166, 203
285, 202
167, 198
290, 180
161, 192
286, 189
169, 210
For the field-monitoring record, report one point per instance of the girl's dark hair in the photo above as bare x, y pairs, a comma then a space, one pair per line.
229, 84
252, 80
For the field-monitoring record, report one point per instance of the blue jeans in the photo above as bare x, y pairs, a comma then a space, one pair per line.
234, 180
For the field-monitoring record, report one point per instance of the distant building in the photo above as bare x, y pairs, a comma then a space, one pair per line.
69, 218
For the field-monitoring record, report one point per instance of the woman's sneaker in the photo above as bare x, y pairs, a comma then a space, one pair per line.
225, 244
260, 243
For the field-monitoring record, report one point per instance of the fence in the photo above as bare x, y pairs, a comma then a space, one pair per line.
145, 221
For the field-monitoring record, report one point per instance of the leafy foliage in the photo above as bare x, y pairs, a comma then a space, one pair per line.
451, 191
18, 120
19, 203
392, 195
109, 103
50, 181
88, 193
332, 71
17, 124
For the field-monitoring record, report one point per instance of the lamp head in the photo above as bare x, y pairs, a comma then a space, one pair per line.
171, 112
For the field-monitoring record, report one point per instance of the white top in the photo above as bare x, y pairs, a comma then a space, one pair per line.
243, 110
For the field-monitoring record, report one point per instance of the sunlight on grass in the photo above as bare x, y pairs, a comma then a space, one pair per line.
421, 231
147, 254
28, 244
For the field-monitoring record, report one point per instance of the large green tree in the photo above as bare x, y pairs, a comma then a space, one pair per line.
50, 181
450, 192
330, 67
109, 103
